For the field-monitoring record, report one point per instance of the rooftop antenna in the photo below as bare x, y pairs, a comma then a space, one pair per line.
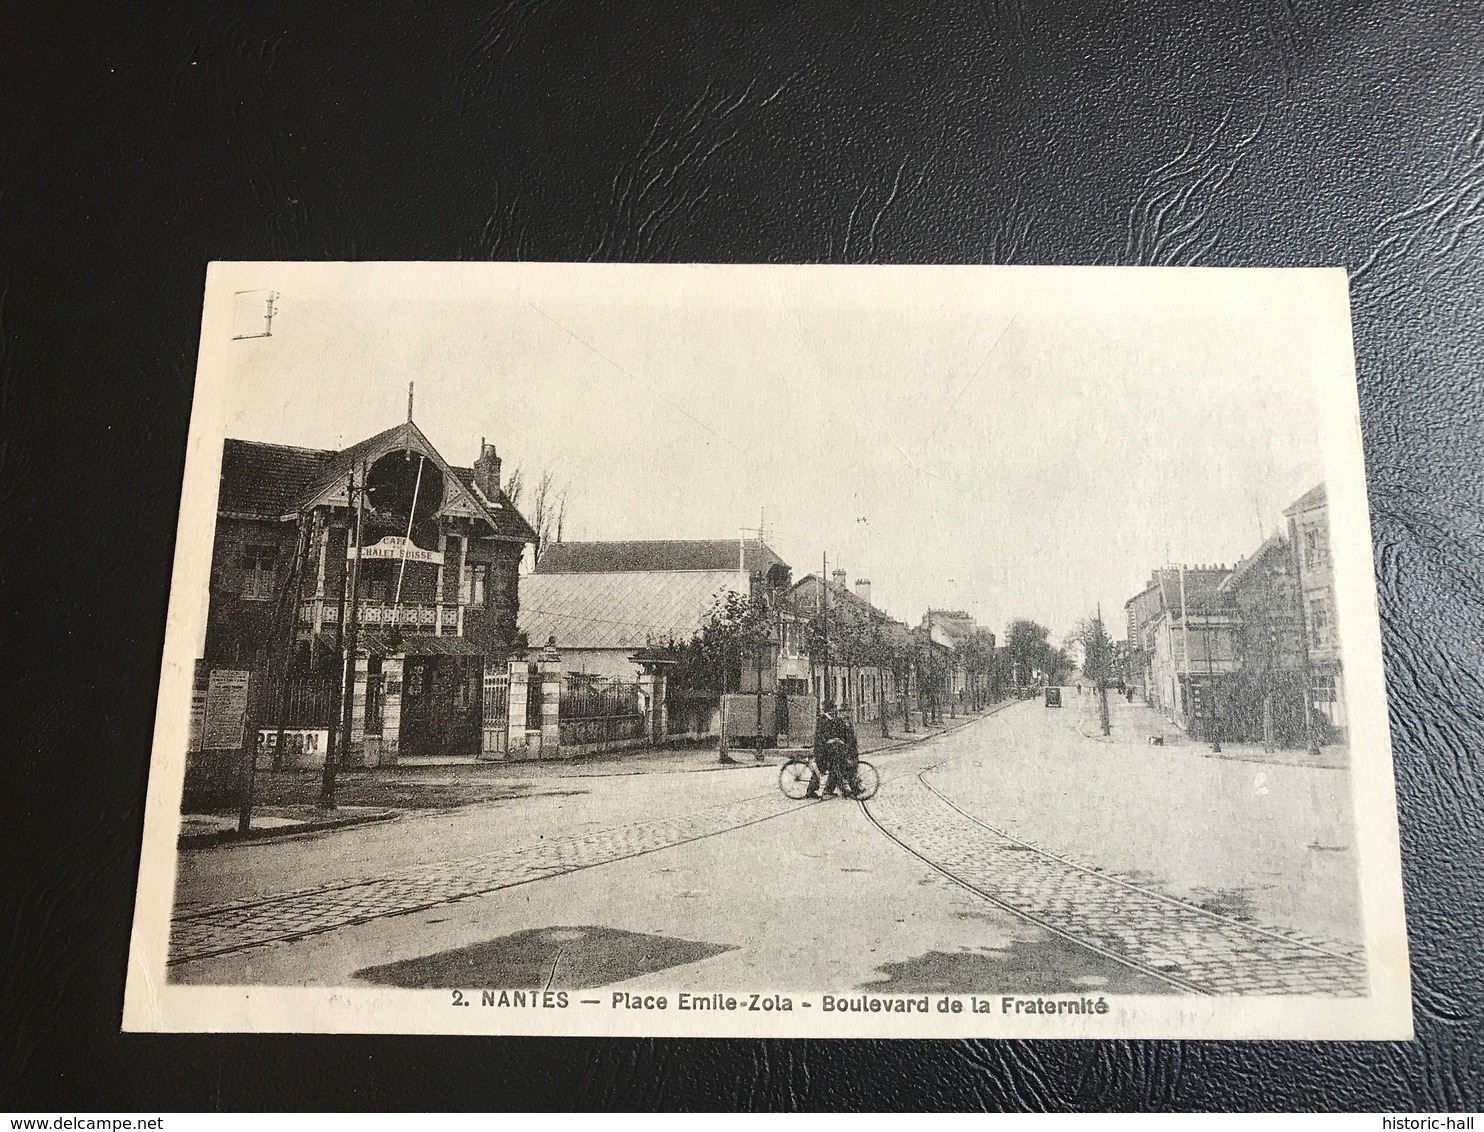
268, 313
407, 452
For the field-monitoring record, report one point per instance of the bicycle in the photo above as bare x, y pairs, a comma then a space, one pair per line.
798, 771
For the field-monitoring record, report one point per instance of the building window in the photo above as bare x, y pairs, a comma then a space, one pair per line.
1322, 689
1316, 549
259, 562
1318, 621
472, 585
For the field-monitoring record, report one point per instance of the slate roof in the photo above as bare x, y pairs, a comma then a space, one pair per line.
508, 521
273, 480
618, 610
1314, 497
1248, 564
1202, 590
654, 555
339, 465
265, 479
846, 602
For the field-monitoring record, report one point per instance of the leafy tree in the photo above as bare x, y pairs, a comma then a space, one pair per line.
1029, 651
733, 628
1098, 662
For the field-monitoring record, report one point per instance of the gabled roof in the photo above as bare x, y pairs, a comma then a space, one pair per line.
618, 610
1311, 499
845, 602
1244, 568
274, 481
1201, 590
508, 521
954, 624
332, 477
264, 479
656, 555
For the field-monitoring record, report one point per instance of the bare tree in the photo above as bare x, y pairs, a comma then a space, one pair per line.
547, 513
514, 485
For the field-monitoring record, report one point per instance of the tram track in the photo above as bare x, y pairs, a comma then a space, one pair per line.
949, 875
1187, 947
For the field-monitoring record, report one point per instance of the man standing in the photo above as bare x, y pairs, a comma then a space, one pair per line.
836, 755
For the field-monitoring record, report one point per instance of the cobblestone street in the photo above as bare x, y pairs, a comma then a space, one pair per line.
1202, 951
983, 890
215, 929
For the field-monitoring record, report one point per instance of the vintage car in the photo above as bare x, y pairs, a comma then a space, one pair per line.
1053, 696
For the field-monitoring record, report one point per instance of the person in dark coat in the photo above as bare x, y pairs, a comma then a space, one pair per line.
836, 755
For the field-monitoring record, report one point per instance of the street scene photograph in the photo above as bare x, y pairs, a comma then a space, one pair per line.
601, 648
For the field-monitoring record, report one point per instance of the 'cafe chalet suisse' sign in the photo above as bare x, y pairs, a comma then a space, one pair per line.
398, 548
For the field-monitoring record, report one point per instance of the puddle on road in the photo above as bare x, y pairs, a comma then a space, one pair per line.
560, 958
1048, 965
1233, 903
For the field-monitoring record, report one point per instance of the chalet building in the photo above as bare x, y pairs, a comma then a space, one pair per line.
436, 600
603, 602
1308, 532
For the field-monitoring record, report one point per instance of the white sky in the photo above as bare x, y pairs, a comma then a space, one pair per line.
1017, 442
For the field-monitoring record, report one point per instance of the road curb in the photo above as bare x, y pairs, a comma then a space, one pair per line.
233, 837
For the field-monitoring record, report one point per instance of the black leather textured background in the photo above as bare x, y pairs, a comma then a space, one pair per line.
138, 141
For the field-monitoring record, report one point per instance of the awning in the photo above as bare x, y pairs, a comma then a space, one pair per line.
376, 643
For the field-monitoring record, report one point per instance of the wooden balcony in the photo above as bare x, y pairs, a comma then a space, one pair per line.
442, 619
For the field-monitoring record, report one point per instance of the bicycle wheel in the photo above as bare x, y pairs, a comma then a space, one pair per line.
870, 782
794, 777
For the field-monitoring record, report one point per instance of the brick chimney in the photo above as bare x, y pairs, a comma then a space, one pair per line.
863, 589
838, 577
487, 471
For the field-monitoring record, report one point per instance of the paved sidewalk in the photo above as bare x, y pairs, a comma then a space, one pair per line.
284, 800
1137, 721
197, 830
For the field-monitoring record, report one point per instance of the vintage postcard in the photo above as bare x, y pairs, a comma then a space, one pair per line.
772, 650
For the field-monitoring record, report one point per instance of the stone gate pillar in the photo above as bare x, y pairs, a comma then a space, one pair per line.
515, 723
356, 753
551, 700
391, 710
656, 713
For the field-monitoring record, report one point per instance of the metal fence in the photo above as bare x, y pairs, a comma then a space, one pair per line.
496, 713
597, 711
307, 702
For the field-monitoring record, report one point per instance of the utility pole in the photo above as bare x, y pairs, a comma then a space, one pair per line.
1214, 716
345, 644
300, 560
757, 652
826, 691
1104, 659
257, 690
1185, 639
